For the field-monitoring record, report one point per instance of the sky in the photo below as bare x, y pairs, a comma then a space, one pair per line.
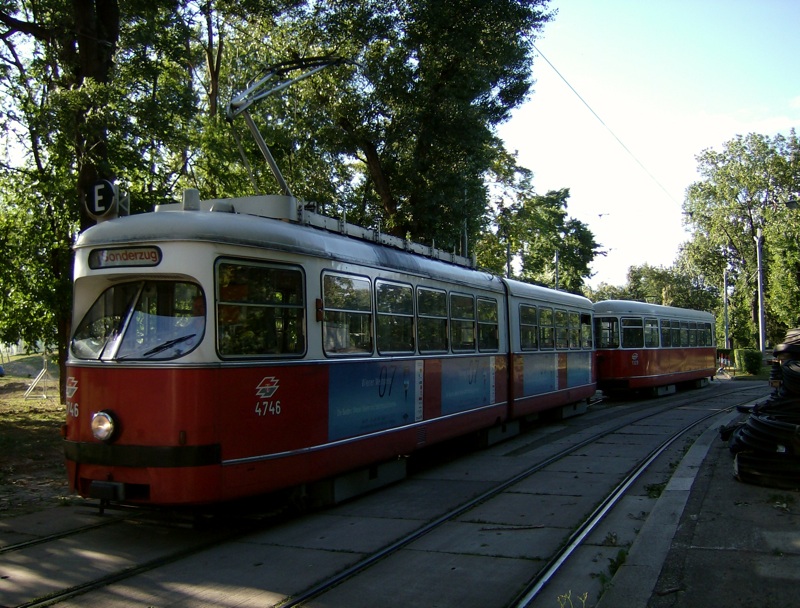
665, 80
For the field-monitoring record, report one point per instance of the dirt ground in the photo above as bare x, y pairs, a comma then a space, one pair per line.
32, 472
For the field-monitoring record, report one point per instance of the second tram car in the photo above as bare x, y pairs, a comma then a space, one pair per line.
649, 346
225, 349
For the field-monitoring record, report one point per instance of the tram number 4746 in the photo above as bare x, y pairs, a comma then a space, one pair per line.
268, 408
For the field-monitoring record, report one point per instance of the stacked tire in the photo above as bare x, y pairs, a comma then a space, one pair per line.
766, 446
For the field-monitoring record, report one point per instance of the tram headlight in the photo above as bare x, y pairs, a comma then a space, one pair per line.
104, 426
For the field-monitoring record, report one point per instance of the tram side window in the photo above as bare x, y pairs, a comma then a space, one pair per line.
684, 333
666, 335
675, 332
395, 308
586, 332
431, 320
708, 335
528, 328
488, 337
692, 333
651, 333
607, 331
546, 328
632, 333
462, 322
562, 329
347, 314
260, 310
574, 330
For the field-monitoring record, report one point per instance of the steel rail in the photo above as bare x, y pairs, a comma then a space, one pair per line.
319, 589
535, 586
381, 554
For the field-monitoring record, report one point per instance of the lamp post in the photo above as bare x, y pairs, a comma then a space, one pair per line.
556, 273
791, 203
761, 322
725, 304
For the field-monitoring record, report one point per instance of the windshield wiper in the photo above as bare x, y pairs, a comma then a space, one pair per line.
168, 344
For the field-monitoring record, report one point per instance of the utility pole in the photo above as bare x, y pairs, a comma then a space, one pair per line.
761, 320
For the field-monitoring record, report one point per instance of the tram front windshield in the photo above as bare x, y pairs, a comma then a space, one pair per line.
142, 320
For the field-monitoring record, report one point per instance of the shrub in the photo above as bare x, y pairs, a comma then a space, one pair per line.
747, 360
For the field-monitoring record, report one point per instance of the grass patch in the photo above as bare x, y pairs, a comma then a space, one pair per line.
741, 376
32, 471
654, 490
565, 600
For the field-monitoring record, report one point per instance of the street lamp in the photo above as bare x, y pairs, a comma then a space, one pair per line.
791, 203
761, 321
725, 304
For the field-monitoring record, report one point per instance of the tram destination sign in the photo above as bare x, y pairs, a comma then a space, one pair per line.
124, 256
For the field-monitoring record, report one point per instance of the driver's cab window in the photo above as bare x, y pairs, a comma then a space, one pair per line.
142, 320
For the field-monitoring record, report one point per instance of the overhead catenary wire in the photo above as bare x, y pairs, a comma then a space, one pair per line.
602, 122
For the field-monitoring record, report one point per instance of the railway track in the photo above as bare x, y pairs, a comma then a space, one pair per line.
490, 528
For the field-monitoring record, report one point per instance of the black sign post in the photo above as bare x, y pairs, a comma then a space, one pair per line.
101, 200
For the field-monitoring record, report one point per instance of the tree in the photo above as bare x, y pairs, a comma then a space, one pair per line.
403, 135
408, 126
53, 129
606, 291
745, 190
535, 232
90, 92
674, 286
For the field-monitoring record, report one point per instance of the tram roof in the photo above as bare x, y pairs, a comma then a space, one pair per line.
239, 229
621, 307
537, 292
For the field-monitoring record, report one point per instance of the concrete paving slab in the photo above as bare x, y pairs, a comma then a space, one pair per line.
489, 539
239, 574
336, 532
420, 499
479, 467
648, 429
586, 573
21, 578
515, 509
622, 525
43, 523
433, 580
558, 483
605, 450
613, 441
616, 464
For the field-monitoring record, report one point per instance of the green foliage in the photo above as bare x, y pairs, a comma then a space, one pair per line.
535, 233
745, 188
34, 264
402, 136
747, 360
675, 286
752, 184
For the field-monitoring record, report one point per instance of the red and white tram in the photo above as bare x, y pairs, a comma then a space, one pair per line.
648, 346
230, 348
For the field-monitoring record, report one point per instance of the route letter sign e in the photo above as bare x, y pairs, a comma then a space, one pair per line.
101, 200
